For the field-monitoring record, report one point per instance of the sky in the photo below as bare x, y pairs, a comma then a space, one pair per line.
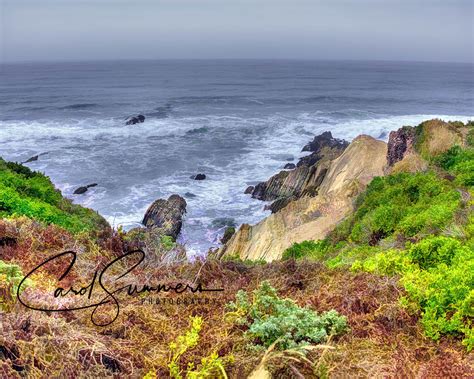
408, 30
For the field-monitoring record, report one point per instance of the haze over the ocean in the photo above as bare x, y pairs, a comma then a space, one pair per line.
413, 30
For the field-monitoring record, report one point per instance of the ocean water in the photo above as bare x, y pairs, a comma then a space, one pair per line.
238, 122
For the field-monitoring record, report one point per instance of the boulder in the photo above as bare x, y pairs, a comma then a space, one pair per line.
289, 166
83, 189
166, 215
135, 120
198, 177
249, 190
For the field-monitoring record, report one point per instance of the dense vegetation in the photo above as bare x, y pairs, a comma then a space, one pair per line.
389, 292
28, 193
419, 227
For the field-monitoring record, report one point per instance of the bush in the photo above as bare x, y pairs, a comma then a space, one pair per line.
438, 276
10, 278
270, 319
459, 162
314, 249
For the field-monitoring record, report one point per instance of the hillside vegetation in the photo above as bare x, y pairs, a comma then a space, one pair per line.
388, 292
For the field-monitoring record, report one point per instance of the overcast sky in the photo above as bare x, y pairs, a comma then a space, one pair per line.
427, 30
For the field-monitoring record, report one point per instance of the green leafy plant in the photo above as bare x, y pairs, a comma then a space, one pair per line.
271, 319
210, 367
10, 278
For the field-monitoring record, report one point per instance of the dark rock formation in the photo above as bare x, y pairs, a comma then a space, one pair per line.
167, 215
83, 189
249, 190
289, 166
279, 204
325, 140
198, 177
399, 142
305, 179
135, 120
33, 158
190, 195
228, 233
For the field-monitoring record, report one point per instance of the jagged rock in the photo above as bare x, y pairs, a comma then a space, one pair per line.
308, 174
198, 177
311, 218
135, 120
83, 189
399, 143
167, 215
279, 204
249, 190
33, 158
289, 166
325, 140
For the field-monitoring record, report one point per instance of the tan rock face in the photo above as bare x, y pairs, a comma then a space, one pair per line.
311, 218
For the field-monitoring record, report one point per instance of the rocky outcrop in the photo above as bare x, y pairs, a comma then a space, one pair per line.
311, 218
409, 147
400, 142
135, 120
249, 190
306, 178
166, 215
289, 166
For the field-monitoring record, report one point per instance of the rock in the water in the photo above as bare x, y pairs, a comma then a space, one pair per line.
399, 142
289, 166
249, 190
198, 177
83, 189
135, 120
190, 195
33, 158
167, 215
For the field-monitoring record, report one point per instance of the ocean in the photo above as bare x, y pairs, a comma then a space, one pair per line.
237, 121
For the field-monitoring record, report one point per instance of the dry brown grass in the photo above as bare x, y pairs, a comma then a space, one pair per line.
384, 340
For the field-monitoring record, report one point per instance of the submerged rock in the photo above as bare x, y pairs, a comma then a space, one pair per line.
83, 189
33, 158
190, 195
135, 120
289, 166
167, 215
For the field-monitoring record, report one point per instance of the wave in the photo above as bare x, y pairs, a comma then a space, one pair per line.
79, 106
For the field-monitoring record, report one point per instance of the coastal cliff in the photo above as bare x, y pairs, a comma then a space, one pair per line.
337, 178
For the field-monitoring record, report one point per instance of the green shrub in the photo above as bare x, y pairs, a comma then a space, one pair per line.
210, 367
459, 162
27, 193
438, 276
314, 249
270, 319
10, 278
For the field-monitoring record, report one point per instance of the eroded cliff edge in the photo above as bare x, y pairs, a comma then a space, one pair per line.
311, 215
